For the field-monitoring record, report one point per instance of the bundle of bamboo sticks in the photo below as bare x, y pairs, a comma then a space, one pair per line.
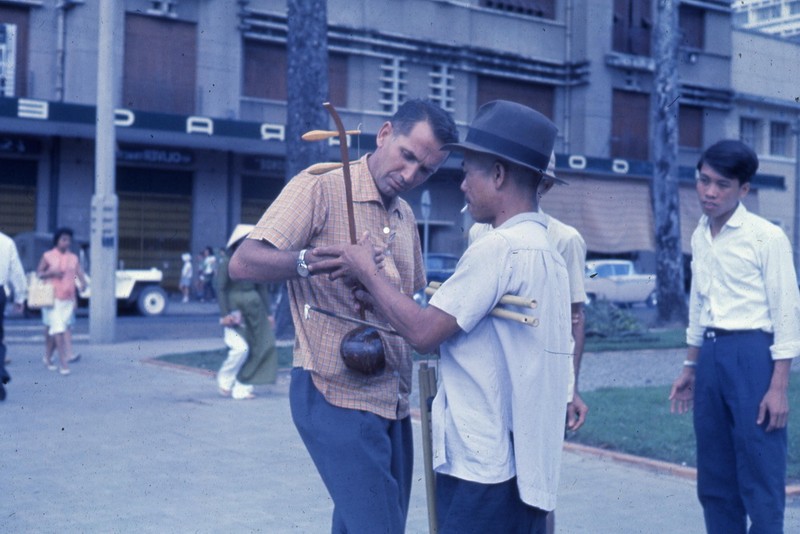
502, 313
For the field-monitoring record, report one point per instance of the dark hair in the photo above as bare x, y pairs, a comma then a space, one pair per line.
732, 159
417, 110
59, 232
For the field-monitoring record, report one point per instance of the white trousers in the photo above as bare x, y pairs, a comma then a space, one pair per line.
237, 354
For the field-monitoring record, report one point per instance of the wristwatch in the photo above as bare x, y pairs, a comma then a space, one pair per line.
302, 266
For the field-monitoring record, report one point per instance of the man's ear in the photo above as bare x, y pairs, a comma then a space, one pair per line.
384, 133
499, 173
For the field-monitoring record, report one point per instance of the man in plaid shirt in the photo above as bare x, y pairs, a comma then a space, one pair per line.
356, 427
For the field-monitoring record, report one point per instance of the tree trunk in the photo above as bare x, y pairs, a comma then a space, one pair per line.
666, 206
307, 82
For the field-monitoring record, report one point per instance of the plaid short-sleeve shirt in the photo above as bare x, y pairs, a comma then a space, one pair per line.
311, 211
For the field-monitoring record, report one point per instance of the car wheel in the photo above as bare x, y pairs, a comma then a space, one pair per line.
151, 301
652, 300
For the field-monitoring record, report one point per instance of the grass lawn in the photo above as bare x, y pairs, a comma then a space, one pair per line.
630, 420
210, 360
637, 421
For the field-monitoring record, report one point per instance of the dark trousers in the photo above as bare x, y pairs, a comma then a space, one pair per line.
4, 377
364, 460
741, 469
464, 507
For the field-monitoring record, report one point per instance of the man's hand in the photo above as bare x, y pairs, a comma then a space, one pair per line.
681, 395
351, 262
576, 412
776, 404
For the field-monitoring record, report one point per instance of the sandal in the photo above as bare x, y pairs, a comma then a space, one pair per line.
225, 392
64, 371
50, 365
249, 396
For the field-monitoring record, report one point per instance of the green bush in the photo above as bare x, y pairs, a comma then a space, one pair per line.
604, 319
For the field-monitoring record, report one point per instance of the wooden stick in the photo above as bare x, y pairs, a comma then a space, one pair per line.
502, 313
319, 135
512, 300
427, 390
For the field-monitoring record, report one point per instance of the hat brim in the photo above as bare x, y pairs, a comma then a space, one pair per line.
467, 146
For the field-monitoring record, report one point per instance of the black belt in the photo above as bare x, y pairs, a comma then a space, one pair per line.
712, 333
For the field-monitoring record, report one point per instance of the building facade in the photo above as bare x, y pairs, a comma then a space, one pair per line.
200, 98
775, 17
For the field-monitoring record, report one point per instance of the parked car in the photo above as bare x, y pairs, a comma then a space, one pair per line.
439, 267
617, 281
138, 289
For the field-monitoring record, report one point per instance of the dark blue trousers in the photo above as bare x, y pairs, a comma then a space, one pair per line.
741, 469
465, 507
365, 460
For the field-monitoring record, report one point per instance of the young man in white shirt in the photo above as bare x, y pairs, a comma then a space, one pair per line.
744, 330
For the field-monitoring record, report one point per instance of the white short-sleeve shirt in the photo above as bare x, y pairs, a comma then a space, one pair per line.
500, 378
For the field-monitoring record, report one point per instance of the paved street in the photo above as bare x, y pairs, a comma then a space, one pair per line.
122, 445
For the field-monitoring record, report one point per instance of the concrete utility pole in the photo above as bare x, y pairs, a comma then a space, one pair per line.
103, 254
666, 205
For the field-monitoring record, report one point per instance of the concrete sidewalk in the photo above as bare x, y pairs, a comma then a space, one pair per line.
121, 445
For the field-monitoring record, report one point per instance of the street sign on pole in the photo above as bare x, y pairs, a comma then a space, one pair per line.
425, 208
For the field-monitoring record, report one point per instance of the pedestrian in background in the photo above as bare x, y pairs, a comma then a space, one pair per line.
245, 315
61, 268
743, 332
208, 268
185, 284
11, 274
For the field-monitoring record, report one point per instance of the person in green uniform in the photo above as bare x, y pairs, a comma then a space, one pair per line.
245, 315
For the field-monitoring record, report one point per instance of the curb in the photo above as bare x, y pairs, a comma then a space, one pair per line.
659, 466
641, 462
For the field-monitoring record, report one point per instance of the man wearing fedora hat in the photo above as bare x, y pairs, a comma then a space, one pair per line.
571, 246
498, 413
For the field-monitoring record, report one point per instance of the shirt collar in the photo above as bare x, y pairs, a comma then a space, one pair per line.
535, 216
736, 220
364, 188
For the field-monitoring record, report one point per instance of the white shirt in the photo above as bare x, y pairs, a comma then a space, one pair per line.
744, 279
567, 241
571, 246
11, 271
498, 376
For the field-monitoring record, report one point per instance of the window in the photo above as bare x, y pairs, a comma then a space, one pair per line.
779, 139
633, 23
794, 8
767, 13
750, 133
13, 51
535, 8
630, 126
441, 87
160, 65
264, 70
265, 67
393, 90
692, 22
690, 126
534, 95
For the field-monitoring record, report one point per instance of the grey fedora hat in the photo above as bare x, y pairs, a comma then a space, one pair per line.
512, 132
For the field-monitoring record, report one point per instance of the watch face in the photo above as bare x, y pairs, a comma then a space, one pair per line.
302, 269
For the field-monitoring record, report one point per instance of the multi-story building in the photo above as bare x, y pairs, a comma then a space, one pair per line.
200, 92
775, 17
